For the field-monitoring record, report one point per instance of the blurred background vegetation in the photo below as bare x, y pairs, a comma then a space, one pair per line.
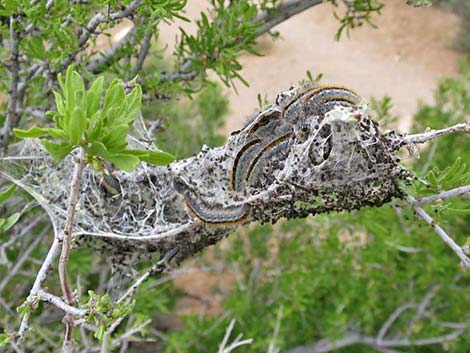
295, 282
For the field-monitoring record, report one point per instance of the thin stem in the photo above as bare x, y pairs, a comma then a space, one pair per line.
67, 245
158, 268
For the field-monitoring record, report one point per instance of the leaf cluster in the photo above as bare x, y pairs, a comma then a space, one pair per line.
357, 13
219, 40
101, 129
103, 312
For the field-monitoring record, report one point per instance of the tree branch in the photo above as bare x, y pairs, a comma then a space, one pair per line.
270, 19
59, 303
284, 11
284, 163
431, 135
158, 268
457, 192
441, 232
392, 319
143, 52
387, 345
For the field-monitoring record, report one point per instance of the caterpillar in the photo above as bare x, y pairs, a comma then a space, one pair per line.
267, 134
270, 131
200, 209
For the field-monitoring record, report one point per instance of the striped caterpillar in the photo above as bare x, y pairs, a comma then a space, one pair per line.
269, 134
271, 131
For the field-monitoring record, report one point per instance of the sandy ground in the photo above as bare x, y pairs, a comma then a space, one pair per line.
405, 58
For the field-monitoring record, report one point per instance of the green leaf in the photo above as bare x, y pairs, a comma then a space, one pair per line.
58, 151
97, 149
114, 98
77, 126
152, 157
73, 89
37, 132
126, 162
93, 96
115, 140
133, 102
95, 126
5, 339
100, 332
7, 193
59, 102
11, 221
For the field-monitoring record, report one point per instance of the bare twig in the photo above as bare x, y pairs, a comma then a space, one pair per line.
158, 268
67, 245
457, 192
128, 334
143, 52
59, 303
432, 153
26, 228
441, 232
107, 334
351, 338
421, 308
431, 135
272, 345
